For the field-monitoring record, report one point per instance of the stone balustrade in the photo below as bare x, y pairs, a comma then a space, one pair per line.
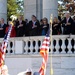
62, 44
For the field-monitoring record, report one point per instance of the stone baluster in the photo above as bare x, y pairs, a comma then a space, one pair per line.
31, 47
41, 42
57, 46
69, 45
36, 47
8, 48
51, 47
26, 47
63, 46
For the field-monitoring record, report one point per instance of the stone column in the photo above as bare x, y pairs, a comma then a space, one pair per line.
32, 7
50, 7
39, 9
3, 10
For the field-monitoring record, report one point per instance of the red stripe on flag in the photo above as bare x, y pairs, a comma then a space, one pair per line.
44, 54
4, 45
47, 40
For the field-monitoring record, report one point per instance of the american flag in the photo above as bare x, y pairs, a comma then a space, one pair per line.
44, 53
4, 46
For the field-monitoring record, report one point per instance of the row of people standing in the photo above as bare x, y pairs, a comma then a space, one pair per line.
31, 28
24, 28
64, 26
35, 28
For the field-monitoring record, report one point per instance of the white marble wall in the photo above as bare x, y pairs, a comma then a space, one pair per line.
32, 7
62, 64
20, 58
40, 8
50, 7
3, 9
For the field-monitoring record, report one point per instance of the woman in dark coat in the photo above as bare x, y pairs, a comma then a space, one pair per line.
20, 27
44, 26
56, 28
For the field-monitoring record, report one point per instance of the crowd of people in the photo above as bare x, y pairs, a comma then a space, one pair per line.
65, 26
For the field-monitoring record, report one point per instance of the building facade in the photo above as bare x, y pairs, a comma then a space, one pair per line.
3, 9
40, 8
24, 53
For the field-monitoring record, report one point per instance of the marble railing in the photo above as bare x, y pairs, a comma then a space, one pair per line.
62, 44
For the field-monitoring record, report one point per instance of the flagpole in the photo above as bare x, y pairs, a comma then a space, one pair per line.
51, 65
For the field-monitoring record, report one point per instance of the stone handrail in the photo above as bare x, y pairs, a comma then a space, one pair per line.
62, 44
